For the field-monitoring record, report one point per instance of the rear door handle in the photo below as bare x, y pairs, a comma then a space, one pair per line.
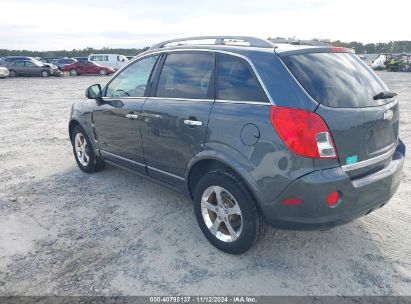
193, 123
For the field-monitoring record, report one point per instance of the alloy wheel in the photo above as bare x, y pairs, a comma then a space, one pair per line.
221, 214
80, 145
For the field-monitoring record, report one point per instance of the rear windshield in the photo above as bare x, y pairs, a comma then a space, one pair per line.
336, 79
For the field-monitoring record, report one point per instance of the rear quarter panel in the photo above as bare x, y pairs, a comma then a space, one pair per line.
267, 166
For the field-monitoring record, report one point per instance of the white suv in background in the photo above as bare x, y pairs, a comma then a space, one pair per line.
115, 61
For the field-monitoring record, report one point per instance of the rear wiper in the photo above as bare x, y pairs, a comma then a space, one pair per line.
384, 95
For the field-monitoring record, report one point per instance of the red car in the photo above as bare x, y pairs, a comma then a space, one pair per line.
87, 67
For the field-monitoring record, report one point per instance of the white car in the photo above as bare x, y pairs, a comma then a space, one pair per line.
115, 61
379, 62
4, 72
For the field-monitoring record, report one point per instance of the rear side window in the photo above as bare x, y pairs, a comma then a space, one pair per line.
336, 79
186, 76
236, 81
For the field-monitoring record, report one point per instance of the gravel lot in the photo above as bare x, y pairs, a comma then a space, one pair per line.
63, 232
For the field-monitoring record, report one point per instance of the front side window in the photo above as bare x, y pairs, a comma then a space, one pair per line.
236, 81
30, 64
186, 76
19, 63
132, 81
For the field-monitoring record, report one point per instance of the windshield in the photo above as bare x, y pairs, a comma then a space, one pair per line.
336, 79
38, 62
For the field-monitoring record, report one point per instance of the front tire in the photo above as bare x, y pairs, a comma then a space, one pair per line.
227, 213
103, 73
44, 73
84, 153
73, 72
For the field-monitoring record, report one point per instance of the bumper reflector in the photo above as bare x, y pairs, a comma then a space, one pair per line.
291, 201
333, 198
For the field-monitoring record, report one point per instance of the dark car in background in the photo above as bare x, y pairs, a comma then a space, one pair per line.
62, 62
31, 68
299, 137
4, 61
87, 68
81, 58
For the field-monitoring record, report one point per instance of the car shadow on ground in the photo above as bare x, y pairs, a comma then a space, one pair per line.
114, 233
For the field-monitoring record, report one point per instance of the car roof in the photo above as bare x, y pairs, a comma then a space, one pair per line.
280, 49
238, 44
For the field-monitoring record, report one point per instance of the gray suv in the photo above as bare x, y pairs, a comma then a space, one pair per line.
299, 137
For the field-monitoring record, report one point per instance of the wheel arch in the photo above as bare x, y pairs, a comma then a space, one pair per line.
207, 161
72, 124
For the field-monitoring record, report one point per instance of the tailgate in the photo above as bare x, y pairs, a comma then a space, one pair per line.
365, 138
361, 114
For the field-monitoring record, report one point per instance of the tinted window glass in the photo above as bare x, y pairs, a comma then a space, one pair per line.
19, 63
236, 80
186, 76
336, 79
99, 58
133, 80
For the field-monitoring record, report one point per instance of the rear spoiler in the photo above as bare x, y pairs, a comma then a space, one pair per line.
285, 51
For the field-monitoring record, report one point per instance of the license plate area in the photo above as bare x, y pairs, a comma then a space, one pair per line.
380, 138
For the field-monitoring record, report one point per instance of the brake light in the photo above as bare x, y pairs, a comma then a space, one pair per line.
304, 133
336, 49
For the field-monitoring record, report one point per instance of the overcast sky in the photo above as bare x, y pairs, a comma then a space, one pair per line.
68, 24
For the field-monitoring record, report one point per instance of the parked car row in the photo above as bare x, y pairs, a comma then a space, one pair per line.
30, 66
392, 62
114, 61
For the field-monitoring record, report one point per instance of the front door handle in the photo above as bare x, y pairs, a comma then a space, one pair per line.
131, 116
193, 123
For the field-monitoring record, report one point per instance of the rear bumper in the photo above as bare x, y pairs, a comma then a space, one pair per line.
358, 196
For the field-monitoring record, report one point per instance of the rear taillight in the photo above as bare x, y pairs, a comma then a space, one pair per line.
304, 133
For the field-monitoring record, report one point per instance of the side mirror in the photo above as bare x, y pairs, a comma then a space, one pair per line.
94, 92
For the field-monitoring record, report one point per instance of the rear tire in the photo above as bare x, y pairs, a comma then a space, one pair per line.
84, 153
73, 72
12, 73
236, 215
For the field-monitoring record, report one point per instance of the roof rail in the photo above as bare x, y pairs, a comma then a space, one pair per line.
219, 40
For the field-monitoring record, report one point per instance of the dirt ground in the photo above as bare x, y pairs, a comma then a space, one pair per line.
63, 232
